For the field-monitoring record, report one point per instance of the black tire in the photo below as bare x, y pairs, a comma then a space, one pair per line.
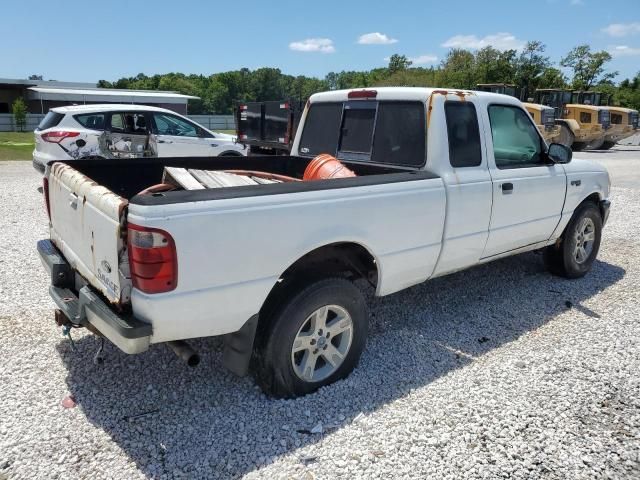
578, 146
607, 145
273, 361
560, 258
595, 144
566, 136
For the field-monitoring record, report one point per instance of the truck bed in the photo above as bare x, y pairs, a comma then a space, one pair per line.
128, 177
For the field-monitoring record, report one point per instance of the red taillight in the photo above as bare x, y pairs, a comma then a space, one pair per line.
243, 107
284, 105
362, 94
45, 193
152, 259
58, 135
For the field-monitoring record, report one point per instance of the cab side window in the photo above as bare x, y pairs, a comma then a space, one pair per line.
463, 133
516, 142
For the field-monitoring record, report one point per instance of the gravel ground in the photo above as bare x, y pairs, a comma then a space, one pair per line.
502, 371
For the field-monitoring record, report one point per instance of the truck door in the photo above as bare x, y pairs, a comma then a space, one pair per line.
177, 137
468, 182
127, 136
528, 192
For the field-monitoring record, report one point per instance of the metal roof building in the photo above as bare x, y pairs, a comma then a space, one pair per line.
42, 95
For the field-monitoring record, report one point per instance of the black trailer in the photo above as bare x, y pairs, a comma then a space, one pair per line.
268, 128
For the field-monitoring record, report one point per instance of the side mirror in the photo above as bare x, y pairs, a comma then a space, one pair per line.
559, 153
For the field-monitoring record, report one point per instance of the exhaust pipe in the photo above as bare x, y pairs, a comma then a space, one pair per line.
184, 352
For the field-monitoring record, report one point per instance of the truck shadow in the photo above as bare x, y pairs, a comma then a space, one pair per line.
204, 422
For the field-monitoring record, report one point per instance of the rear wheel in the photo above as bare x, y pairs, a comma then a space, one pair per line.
608, 145
578, 146
566, 136
313, 339
573, 256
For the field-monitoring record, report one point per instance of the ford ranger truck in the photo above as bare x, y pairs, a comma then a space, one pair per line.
440, 180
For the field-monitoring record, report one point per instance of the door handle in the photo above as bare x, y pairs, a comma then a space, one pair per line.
165, 141
507, 188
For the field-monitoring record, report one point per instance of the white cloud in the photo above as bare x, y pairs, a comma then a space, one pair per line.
376, 38
622, 29
624, 51
500, 41
423, 59
323, 45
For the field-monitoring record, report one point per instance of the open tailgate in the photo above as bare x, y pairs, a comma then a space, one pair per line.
86, 226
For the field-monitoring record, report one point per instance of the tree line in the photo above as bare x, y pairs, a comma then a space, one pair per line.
529, 69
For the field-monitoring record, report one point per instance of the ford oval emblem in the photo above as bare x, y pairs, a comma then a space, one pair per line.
106, 266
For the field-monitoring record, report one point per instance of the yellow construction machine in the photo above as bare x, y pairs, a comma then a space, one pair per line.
543, 116
584, 125
624, 121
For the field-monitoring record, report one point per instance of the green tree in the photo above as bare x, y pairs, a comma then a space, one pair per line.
588, 67
458, 69
19, 110
551, 78
398, 62
531, 65
494, 66
628, 94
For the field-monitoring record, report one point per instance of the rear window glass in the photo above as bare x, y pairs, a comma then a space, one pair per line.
50, 120
357, 127
321, 128
464, 137
94, 121
400, 134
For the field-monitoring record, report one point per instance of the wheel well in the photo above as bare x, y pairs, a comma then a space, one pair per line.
345, 259
595, 199
230, 153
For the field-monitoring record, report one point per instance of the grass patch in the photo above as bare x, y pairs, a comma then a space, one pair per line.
16, 145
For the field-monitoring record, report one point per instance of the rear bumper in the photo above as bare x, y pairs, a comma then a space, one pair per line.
85, 306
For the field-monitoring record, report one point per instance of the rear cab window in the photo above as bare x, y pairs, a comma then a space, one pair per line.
386, 132
463, 134
50, 120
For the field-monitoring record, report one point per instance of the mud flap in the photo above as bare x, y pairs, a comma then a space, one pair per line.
238, 347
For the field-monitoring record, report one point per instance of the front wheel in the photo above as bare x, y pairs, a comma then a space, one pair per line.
313, 339
579, 245
566, 136
608, 145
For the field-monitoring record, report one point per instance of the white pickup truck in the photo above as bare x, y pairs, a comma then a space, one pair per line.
442, 180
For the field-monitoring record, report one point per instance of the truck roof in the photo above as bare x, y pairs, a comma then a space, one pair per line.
407, 93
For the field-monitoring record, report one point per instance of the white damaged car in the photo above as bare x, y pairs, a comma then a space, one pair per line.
125, 131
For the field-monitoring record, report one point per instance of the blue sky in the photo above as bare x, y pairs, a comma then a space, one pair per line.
88, 40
